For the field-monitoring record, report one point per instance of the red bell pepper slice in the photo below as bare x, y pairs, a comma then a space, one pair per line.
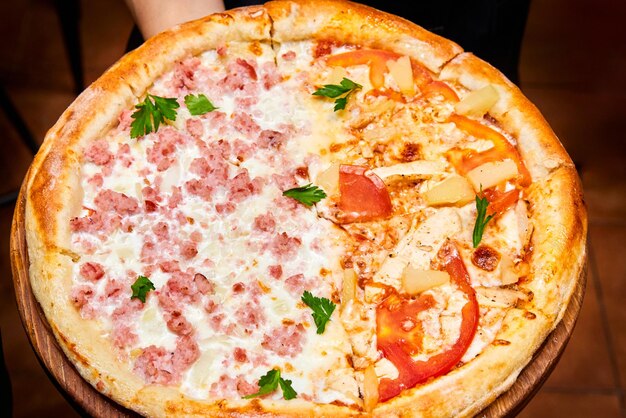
499, 201
435, 88
376, 59
466, 160
397, 346
363, 195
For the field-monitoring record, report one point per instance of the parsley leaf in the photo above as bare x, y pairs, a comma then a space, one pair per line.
269, 382
334, 91
306, 195
285, 386
141, 287
198, 105
150, 113
481, 220
322, 309
340, 103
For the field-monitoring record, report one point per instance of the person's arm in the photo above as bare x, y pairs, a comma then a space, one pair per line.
154, 16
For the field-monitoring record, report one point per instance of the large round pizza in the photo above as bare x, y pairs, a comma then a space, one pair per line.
305, 207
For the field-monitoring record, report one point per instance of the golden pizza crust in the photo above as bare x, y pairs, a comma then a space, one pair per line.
556, 207
353, 23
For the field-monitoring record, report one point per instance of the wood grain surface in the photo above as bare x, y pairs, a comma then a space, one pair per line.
88, 400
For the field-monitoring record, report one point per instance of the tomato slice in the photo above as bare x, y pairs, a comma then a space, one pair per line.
398, 347
396, 321
466, 160
363, 195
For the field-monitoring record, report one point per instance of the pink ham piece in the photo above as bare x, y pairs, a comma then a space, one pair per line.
160, 366
244, 124
241, 187
98, 153
188, 250
264, 223
177, 323
284, 247
162, 152
154, 364
91, 271
240, 74
285, 341
271, 139
96, 222
81, 297
204, 285
271, 76
183, 78
108, 200
195, 128
276, 271
250, 316
240, 355
296, 284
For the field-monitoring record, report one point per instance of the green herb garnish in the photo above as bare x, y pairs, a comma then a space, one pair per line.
481, 219
141, 287
322, 309
198, 105
269, 382
150, 113
306, 195
335, 91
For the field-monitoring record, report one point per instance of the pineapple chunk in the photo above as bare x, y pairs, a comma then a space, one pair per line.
478, 102
328, 179
491, 174
402, 73
454, 190
416, 281
348, 291
370, 388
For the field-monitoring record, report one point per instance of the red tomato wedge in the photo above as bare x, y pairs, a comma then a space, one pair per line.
363, 195
392, 339
466, 160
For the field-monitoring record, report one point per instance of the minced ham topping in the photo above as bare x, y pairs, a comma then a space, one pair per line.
198, 208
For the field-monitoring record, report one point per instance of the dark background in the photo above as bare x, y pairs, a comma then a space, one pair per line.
573, 67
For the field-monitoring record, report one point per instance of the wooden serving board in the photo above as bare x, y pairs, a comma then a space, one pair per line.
86, 399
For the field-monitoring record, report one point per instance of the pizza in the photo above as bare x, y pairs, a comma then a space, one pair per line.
302, 208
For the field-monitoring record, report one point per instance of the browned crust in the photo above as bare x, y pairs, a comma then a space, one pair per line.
355, 23
556, 205
539, 146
